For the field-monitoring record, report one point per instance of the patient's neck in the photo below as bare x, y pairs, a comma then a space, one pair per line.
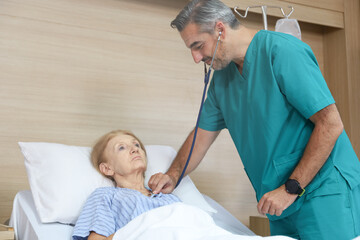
134, 181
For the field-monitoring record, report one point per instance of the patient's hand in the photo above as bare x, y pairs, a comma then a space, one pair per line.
95, 236
161, 182
275, 202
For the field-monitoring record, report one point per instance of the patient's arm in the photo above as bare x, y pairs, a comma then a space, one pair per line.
166, 182
95, 236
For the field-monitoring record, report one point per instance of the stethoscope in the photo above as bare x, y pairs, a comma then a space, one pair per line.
206, 81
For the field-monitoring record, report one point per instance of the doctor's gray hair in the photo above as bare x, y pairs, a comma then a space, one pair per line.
205, 13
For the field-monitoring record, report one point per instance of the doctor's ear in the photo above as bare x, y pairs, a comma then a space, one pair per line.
105, 169
220, 29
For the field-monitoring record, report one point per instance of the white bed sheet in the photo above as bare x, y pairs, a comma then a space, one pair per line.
27, 225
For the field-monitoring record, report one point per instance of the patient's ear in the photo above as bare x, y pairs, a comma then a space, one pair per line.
105, 169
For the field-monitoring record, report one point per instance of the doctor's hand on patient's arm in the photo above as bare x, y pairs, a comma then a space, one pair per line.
275, 202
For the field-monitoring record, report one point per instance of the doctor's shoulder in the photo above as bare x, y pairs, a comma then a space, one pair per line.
280, 42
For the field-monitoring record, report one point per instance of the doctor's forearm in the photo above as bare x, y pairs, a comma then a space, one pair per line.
328, 127
204, 139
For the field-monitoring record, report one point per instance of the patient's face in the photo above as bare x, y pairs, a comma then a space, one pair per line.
125, 156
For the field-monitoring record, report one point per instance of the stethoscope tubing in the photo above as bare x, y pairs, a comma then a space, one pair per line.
206, 81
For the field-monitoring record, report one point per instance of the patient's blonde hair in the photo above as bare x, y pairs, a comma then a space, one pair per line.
97, 154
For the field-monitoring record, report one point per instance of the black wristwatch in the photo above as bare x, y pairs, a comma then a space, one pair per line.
293, 187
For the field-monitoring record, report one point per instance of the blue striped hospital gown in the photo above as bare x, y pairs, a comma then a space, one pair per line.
110, 208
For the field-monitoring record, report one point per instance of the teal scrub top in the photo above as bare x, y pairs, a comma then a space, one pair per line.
267, 108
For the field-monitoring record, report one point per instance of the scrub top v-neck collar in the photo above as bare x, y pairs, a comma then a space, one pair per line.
247, 60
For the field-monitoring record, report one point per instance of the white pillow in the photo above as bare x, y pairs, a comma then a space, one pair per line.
61, 178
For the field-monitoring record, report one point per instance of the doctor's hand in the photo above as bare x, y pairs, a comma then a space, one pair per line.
161, 182
276, 201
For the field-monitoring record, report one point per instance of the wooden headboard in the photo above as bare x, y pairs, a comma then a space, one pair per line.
72, 70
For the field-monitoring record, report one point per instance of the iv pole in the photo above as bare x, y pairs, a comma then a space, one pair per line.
264, 9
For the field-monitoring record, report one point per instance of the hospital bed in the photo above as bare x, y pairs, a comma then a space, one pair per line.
57, 185
28, 226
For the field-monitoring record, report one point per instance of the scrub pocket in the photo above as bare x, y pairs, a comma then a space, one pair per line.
325, 181
284, 166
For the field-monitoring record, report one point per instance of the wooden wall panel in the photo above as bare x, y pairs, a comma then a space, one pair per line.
334, 5
352, 43
72, 70
336, 73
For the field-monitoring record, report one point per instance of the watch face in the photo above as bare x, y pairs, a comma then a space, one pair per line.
292, 186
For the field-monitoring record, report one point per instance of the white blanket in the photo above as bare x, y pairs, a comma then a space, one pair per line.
177, 221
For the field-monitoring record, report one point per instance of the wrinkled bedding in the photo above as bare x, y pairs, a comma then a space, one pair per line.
178, 221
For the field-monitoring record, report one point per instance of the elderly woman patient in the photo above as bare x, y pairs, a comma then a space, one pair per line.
120, 156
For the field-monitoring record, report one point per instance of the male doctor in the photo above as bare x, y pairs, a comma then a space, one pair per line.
269, 93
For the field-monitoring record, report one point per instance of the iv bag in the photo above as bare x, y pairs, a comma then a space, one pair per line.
289, 26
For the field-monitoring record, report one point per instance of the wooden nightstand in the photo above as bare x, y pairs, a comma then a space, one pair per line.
6, 232
260, 225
